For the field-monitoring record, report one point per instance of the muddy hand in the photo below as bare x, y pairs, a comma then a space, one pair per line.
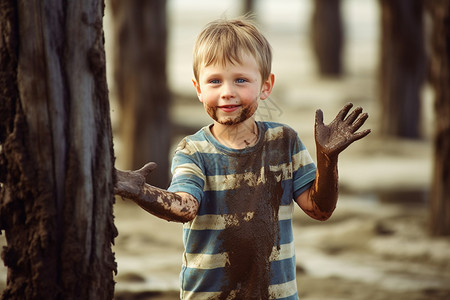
333, 138
130, 184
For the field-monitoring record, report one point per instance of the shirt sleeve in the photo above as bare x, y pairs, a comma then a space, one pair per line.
187, 173
304, 169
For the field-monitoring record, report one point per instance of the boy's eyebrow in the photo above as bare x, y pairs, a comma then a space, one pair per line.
249, 76
213, 75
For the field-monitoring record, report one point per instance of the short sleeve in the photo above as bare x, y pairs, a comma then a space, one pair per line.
187, 173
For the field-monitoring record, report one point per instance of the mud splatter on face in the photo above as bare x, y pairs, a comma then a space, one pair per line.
245, 114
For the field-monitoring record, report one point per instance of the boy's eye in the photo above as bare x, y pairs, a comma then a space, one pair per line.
214, 81
240, 80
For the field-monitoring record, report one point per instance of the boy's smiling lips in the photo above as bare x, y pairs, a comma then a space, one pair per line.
229, 108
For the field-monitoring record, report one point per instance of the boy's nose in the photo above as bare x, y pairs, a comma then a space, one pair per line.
228, 91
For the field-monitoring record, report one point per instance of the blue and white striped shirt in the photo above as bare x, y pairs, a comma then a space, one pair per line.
240, 245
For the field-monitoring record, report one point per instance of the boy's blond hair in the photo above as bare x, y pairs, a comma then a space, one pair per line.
225, 41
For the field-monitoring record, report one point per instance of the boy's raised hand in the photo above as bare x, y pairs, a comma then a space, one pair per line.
130, 184
333, 138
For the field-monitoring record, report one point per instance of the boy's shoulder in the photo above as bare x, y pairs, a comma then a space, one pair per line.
191, 142
270, 125
276, 128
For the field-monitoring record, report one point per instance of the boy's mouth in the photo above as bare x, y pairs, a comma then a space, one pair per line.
229, 108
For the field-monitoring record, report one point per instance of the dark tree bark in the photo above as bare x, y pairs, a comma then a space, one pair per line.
327, 36
140, 81
56, 156
440, 79
402, 70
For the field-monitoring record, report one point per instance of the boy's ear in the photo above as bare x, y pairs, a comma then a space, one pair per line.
197, 89
267, 87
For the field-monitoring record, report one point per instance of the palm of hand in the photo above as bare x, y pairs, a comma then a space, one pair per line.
333, 138
130, 184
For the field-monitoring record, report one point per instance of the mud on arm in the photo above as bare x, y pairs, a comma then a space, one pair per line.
320, 200
177, 207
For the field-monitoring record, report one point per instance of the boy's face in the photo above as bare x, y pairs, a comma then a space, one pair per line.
230, 93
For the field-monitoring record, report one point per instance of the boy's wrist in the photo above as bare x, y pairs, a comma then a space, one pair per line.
326, 160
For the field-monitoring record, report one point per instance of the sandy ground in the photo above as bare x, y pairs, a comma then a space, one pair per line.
376, 245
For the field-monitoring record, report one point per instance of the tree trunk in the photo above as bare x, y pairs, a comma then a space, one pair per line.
56, 156
140, 82
402, 70
327, 36
440, 73
248, 7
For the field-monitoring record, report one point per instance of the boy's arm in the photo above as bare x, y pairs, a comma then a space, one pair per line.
319, 201
178, 207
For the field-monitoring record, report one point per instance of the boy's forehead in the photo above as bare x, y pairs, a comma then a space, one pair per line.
223, 59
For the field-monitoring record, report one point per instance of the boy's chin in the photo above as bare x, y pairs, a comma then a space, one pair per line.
227, 120
235, 120
232, 121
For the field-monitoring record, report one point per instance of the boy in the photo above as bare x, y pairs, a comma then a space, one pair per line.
235, 181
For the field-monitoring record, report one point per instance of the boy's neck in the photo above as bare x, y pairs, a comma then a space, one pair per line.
239, 136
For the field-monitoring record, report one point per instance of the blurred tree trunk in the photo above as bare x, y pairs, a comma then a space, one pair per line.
440, 78
327, 36
402, 70
56, 156
248, 6
140, 81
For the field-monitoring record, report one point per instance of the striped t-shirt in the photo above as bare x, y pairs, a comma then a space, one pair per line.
240, 245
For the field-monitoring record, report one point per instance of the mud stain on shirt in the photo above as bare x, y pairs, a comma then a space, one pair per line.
251, 232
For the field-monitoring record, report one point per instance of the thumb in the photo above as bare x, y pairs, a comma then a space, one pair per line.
147, 169
319, 117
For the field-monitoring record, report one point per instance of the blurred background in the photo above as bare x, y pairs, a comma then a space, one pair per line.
389, 236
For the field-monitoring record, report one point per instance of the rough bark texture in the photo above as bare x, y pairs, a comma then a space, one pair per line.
56, 156
140, 82
402, 70
327, 36
440, 72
